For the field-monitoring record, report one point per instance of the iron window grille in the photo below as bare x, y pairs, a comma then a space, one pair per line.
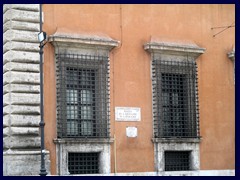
175, 98
82, 96
177, 160
83, 163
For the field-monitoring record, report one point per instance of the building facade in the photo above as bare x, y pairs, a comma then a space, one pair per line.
128, 89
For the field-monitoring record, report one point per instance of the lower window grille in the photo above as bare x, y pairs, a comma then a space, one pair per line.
83, 163
177, 160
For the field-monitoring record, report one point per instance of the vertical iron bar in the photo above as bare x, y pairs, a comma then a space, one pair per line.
41, 124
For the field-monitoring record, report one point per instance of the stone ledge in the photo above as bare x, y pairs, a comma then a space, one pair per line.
176, 140
83, 140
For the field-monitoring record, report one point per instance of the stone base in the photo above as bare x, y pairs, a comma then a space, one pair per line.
23, 163
229, 172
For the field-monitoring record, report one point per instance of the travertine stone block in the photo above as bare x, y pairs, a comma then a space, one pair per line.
21, 99
18, 15
21, 142
20, 36
21, 88
16, 120
33, 131
17, 25
21, 56
25, 163
21, 109
6, 131
20, 46
22, 67
27, 7
6, 121
21, 78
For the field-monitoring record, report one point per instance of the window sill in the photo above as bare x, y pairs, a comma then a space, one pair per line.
176, 140
83, 140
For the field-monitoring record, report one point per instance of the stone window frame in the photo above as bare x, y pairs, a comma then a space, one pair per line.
70, 43
178, 51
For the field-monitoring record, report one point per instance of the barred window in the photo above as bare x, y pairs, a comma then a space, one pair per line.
83, 163
82, 95
177, 160
175, 99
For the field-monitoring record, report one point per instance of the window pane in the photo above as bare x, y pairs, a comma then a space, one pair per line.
72, 76
86, 127
85, 78
165, 98
72, 127
175, 99
72, 96
72, 112
86, 97
86, 112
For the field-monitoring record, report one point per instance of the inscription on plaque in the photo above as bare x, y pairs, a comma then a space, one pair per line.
127, 114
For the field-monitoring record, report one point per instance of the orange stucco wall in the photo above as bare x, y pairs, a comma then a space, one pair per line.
134, 25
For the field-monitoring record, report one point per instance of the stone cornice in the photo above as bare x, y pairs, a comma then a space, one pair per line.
174, 48
82, 41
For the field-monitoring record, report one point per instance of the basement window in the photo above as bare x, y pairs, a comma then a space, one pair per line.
83, 163
177, 160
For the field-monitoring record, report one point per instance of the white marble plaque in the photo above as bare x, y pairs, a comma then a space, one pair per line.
127, 114
131, 132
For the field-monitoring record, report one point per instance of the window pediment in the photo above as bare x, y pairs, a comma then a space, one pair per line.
174, 48
75, 41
